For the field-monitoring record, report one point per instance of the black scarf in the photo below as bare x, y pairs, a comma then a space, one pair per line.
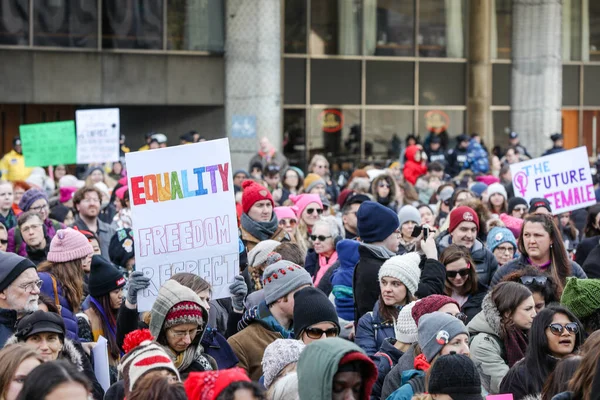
260, 230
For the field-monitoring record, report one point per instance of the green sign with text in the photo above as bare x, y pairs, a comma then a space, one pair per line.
50, 143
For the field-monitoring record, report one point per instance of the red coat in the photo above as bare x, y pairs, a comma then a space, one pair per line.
413, 169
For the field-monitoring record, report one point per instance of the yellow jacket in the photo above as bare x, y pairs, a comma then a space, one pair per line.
144, 148
13, 168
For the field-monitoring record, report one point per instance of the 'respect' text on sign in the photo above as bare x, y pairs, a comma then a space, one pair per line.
562, 178
183, 213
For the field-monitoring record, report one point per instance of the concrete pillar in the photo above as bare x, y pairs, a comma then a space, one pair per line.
252, 76
479, 99
536, 90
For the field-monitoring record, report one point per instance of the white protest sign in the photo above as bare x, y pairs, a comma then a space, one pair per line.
564, 179
97, 135
184, 218
101, 369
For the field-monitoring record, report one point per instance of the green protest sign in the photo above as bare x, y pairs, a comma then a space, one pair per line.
51, 143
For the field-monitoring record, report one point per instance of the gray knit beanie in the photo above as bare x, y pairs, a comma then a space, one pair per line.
170, 294
436, 330
282, 278
409, 213
258, 255
405, 268
279, 355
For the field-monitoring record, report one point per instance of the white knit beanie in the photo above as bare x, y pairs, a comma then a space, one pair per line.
406, 327
279, 355
404, 268
258, 255
496, 188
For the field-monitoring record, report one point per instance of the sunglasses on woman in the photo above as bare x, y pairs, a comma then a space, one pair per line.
321, 238
312, 210
533, 280
316, 333
462, 272
557, 329
288, 221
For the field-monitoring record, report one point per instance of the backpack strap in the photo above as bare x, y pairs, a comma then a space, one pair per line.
56, 299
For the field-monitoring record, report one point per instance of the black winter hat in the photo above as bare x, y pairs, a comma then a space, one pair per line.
104, 277
375, 222
311, 306
515, 201
120, 249
38, 322
539, 202
11, 266
456, 376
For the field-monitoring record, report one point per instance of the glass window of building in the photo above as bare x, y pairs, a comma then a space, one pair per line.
570, 85
453, 121
336, 133
571, 30
132, 24
591, 89
442, 83
501, 126
294, 137
501, 35
195, 25
294, 81
68, 23
442, 28
295, 26
501, 84
336, 27
389, 31
390, 82
591, 24
14, 22
335, 81
386, 131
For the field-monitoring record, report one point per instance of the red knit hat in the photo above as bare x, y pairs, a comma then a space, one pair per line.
429, 304
253, 192
186, 312
209, 385
461, 214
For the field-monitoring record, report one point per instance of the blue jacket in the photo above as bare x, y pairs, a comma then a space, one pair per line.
216, 346
8, 320
477, 158
406, 391
371, 331
311, 262
65, 308
342, 278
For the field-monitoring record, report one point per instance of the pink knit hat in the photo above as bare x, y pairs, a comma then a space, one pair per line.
303, 200
514, 224
284, 212
66, 193
120, 192
68, 245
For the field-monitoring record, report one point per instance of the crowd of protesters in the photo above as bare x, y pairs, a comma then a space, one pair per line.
424, 278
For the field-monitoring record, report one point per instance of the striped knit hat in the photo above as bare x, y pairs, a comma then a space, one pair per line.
186, 312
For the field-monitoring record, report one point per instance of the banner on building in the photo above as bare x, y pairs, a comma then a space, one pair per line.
184, 217
50, 143
97, 135
563, 178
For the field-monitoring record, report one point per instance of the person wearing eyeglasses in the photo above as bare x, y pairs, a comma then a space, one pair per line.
439, 334
19, 291
385, 191
87, 201
502, 243
37, 201
37, 243
309, 209
518, 207
287, 219
314, 316
323, 255
555, 333
499, 332
461, 280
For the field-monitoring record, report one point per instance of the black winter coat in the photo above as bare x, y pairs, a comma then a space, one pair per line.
591, 266
457, 161
521, 383
8, 320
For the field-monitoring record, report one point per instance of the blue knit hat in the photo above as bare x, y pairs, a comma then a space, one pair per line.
375, 222
30, 197
498, 235
478, 188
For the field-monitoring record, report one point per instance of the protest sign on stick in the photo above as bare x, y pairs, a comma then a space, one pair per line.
184, 219
50, 143
97, 135
564, 179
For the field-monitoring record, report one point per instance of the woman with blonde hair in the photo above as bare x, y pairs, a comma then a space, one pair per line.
320, 166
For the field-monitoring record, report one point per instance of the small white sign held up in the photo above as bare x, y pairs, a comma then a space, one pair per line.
97, 135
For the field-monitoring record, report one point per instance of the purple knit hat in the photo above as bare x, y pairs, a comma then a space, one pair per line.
68, 245
30, 197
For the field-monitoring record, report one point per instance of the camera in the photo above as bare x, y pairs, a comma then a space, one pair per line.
418, 229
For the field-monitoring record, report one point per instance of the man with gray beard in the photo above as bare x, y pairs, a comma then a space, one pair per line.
19, 291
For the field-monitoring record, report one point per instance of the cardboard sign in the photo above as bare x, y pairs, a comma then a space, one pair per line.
563, 178
101, 368
183, 212
50, 143
97, 135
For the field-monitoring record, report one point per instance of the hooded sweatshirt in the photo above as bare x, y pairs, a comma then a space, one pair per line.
319, 362
413, 169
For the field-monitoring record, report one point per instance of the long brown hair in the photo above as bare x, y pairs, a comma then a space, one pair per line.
70, 276
581, 383
154, 386
507, 296
559, 263
111, 314
10, 358
192, 281
390, 313
456, 252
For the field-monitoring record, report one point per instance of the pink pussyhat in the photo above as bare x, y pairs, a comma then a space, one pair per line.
66, 193
513, 224
284, 212
303, 200
120, 192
